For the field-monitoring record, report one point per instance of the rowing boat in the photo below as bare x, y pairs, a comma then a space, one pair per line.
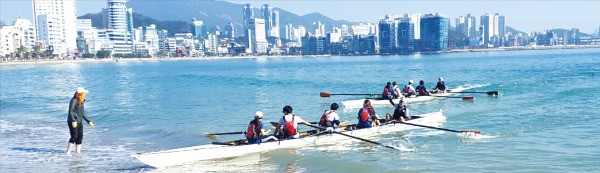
166, 158
378, 102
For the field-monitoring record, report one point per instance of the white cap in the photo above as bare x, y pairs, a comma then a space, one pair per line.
81, 90
259, 114
441, 79
411, 81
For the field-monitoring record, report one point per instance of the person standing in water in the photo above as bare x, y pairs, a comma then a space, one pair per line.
75, 120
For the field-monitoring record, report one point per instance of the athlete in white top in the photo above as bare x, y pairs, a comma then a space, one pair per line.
290, 132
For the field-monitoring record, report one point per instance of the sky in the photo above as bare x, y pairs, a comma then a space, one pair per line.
522, 15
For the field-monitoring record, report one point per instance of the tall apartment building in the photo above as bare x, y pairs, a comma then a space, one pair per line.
51, 33
415, 18
492, 29
434, 32
65, 11
388, 41
20, 34
467, 26
406, 36
119, 29
266, 12
255, 33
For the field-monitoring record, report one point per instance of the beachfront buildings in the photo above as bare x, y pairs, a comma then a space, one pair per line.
63, 15
120, 26
17, 36
434, 33
493, 30
256, 40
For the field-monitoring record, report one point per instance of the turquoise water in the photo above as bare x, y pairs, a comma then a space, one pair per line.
546, 118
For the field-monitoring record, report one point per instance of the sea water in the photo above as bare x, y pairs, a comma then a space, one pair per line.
545, 119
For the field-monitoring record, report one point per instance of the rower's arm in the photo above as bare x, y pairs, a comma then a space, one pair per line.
392, 102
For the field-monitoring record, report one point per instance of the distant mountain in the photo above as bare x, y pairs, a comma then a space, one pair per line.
99, 20
219, 13
514, 31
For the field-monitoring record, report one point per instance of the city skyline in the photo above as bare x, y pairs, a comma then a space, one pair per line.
550, 15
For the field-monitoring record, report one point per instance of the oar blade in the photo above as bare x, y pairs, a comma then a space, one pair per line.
210, 135
468, 98
325, 94
492, 93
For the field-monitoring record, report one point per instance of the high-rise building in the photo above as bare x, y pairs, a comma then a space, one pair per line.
230, 30
198, 29
501, 26
275, 30
51, 33
406, 36
434, 32
255, 33
118, 26
415, 18
388, 41
466, 25
319, 28
150, 37
65, 10
288, 31
493, 29
266, 12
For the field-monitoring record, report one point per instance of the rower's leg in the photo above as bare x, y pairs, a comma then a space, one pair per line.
69, 148
78, 148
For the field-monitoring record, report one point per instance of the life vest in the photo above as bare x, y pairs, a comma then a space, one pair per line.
385, 92
364, 115
399, 112
406, 89
323, 120
289, 127
441, 86
421, 89
252, 132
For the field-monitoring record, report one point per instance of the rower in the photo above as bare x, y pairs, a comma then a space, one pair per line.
367, 116
330, 118
256, 131
401, 112
386, 91
395, 91
409, 90
421, 89
441, 86
289, 123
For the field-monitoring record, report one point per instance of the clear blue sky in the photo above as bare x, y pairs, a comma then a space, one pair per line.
523, 15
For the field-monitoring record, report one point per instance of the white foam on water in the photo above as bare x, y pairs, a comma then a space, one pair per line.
470, 86
475, 136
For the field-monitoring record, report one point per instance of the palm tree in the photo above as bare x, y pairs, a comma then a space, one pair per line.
20, 51
37, 50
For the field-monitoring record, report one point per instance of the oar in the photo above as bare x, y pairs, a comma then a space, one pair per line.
488, 92
214, 135
362, 139
461, 97
437, 128
326, 94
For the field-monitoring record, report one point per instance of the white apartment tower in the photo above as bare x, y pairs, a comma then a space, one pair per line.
65, 11
50, 31
257, 38
466, 25
415, 18
118, 26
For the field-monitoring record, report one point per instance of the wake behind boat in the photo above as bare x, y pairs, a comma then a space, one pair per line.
166, 158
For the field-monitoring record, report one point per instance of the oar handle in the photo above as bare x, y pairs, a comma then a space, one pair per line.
224, 133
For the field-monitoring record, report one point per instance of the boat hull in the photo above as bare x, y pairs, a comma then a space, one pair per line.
166, 158
351, 104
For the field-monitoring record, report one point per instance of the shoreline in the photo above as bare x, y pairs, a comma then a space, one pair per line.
108, 60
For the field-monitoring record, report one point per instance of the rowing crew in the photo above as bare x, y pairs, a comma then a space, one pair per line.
392, 91
287, 126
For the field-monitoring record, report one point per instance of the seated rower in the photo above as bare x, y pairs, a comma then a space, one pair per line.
395, 91
288, 124
421, 89
367, 116
401, 112
256, 131
440, 87
330, 119
386, 91
409, 90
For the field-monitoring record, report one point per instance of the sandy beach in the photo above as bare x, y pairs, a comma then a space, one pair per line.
109, 60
